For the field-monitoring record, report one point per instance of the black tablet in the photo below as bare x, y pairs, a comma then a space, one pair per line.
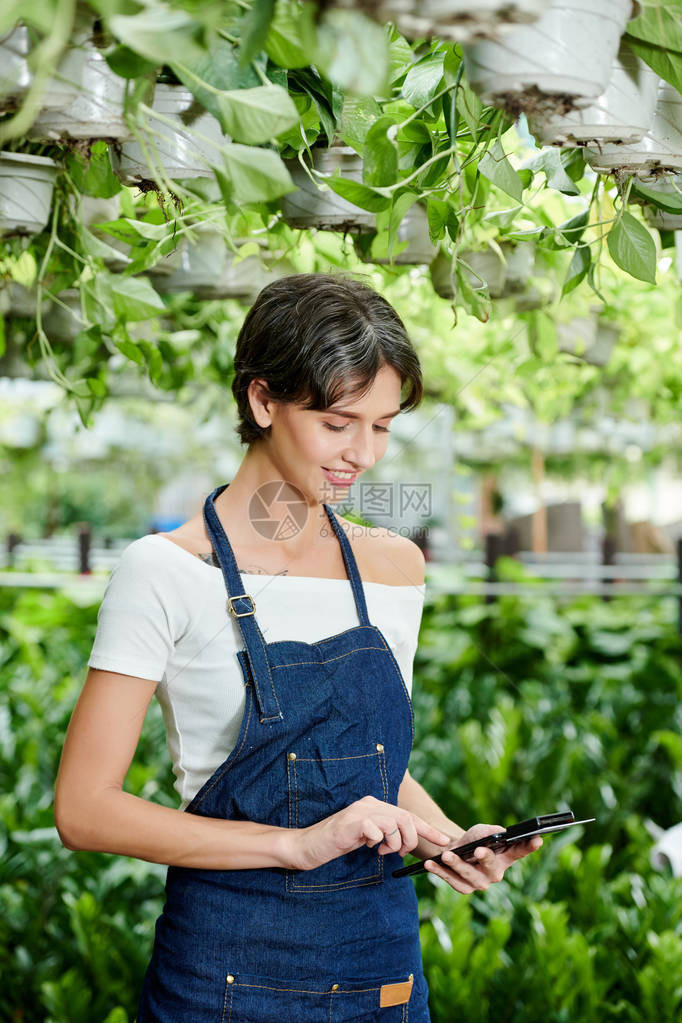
520, 832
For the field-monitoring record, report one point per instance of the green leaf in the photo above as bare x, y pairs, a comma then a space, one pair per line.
572, 230
577, 270
470, 107
133, 298
255, 175
94, 176
125, 62
671, 202
476, 301
160, 33
254, 30
551, 163
495, 166
256, 115
352, 51
291, 37
632, 248
423, 79
380, 156
216, 69
359, 194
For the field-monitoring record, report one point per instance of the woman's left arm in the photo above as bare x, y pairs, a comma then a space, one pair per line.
463, 877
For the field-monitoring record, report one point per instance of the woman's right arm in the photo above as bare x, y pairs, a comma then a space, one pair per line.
93, 812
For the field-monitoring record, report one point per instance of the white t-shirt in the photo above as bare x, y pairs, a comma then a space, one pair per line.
164, 617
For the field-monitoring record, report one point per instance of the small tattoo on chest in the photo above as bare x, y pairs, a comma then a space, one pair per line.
212, 559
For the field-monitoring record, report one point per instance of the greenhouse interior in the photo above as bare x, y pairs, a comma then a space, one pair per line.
507, 174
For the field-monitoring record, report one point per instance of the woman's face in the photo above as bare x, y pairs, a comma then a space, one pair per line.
350, 436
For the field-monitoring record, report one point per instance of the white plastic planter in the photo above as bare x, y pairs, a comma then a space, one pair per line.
660, 149
414, 229
565, 57
63, 322
207, 268
599, 353
184, 148
520, 264
15, 76
84, 99
22, 302
459, 19
578, 336
622, 114
26, 184
487, 266
313, 205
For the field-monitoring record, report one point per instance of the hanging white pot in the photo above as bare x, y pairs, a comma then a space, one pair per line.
654, 215
178, 148
659, 149
442, 273
26, 184
22, 302
208, 269
599, 352
622, 114
563, 60
520, 260
15, 76
64, 319
315, 204
459, 19
413, 230
84, 99
486, 266
577, 336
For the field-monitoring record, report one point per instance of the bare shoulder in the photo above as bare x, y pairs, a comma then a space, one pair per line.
385, 555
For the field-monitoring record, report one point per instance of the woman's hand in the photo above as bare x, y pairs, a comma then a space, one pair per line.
467, 877
367, 821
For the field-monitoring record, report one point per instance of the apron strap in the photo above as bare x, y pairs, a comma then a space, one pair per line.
241, 606
351, 568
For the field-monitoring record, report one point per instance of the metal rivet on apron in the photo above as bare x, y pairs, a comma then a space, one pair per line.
292, 756
380, 748
230, 979
335, 987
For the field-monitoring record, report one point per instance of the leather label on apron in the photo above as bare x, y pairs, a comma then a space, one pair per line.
396, 994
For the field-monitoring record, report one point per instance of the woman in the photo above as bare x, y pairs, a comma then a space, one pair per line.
287, 708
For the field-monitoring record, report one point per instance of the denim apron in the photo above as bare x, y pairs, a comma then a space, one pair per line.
323, 725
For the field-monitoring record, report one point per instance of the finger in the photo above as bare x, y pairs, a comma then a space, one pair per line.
469, 872
371, 832
393, 840
430, 832
452, 878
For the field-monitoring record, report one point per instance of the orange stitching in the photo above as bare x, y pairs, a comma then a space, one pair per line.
259, 637
308, 991
222, 1018
382, 772
231, 996
330, 660
359, 882
318, 760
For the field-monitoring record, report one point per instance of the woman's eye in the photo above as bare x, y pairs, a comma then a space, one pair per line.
336, 429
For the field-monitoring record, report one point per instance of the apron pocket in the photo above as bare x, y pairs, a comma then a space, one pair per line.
319, 787
253, 998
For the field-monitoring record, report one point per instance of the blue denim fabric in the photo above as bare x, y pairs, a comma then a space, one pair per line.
324, 724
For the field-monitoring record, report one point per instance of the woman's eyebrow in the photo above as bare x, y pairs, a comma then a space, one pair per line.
353, 415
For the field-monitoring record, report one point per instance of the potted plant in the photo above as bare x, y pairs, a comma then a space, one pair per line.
15, 75
26, 185
314, 204
413, 242
622, 114
84, 99
660, 149
562, 61
481, 266
666, 192
458, 19
180, 139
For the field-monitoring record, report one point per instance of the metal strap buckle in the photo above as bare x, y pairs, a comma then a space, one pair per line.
242, 614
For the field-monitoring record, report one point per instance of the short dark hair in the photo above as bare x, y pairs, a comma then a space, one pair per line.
315, 337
